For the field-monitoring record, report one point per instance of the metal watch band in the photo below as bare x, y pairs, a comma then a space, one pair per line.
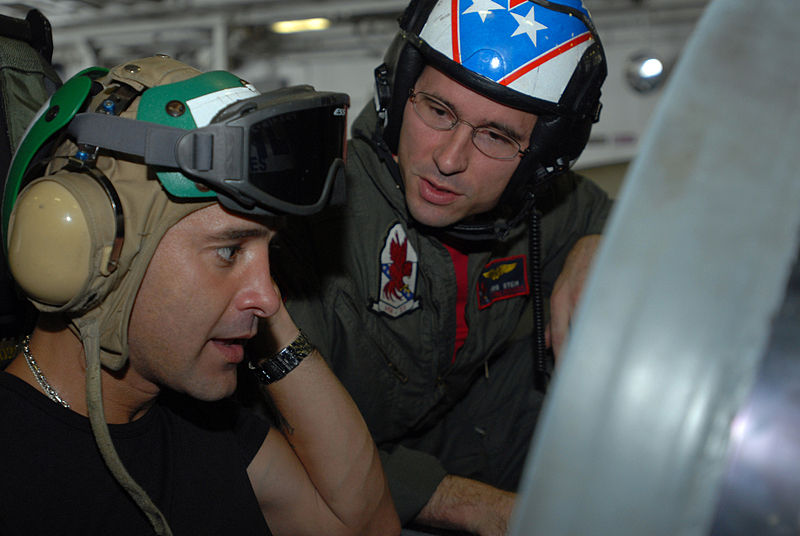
272, 369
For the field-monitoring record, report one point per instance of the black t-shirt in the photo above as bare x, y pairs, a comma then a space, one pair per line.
191, 457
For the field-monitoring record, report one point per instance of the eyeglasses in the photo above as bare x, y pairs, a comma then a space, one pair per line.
488, 140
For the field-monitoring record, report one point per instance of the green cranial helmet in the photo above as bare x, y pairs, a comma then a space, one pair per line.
144, 144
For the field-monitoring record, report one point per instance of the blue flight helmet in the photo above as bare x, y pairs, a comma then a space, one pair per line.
535, 55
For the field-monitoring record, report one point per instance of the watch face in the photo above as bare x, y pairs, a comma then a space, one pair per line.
274, 368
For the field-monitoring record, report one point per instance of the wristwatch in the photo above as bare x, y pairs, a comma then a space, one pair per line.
272, 369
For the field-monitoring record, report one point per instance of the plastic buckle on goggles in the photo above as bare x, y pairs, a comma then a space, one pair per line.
276, 153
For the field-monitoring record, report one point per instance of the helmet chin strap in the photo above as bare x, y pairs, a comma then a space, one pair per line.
514, 204
90, 335
488, 226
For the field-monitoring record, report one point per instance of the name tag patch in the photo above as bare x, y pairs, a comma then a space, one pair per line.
502, 279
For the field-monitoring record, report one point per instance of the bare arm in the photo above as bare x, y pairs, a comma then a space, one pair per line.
567, 290
464, 504
322, 475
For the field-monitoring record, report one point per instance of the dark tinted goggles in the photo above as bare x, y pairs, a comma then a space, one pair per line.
276, 153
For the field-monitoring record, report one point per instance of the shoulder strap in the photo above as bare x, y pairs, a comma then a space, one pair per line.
27, 79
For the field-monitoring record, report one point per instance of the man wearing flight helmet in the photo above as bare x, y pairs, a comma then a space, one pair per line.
145, 247
422, 285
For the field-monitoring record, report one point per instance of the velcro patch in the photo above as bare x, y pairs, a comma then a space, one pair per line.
502, 279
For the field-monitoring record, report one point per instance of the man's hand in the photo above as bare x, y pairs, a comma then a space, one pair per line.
567, 291
468, 505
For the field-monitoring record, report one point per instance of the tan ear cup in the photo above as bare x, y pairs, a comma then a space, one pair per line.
60, 238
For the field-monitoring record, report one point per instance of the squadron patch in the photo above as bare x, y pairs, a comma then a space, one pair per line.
398, 285
502, 279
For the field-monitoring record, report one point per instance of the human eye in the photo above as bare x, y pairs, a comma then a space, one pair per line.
228, 253
438, 110
493, 137
494, 143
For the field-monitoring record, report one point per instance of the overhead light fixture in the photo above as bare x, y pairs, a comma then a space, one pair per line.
302, 25
645, 72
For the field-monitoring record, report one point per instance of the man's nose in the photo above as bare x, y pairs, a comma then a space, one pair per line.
452, 154
260, 294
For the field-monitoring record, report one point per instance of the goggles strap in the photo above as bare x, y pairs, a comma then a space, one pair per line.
117, 101
154, 142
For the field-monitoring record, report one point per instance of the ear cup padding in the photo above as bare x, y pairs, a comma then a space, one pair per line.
60, 234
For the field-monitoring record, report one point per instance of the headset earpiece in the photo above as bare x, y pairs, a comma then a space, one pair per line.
64, 239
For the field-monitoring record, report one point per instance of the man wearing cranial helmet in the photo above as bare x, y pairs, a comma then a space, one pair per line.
145, 247
462, 249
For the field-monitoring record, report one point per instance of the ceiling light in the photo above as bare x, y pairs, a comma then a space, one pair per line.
651, 67
645, 72
303, 25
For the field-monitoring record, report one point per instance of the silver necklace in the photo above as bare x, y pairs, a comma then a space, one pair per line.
51, 393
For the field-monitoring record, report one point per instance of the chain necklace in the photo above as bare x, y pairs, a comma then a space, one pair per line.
51, 393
